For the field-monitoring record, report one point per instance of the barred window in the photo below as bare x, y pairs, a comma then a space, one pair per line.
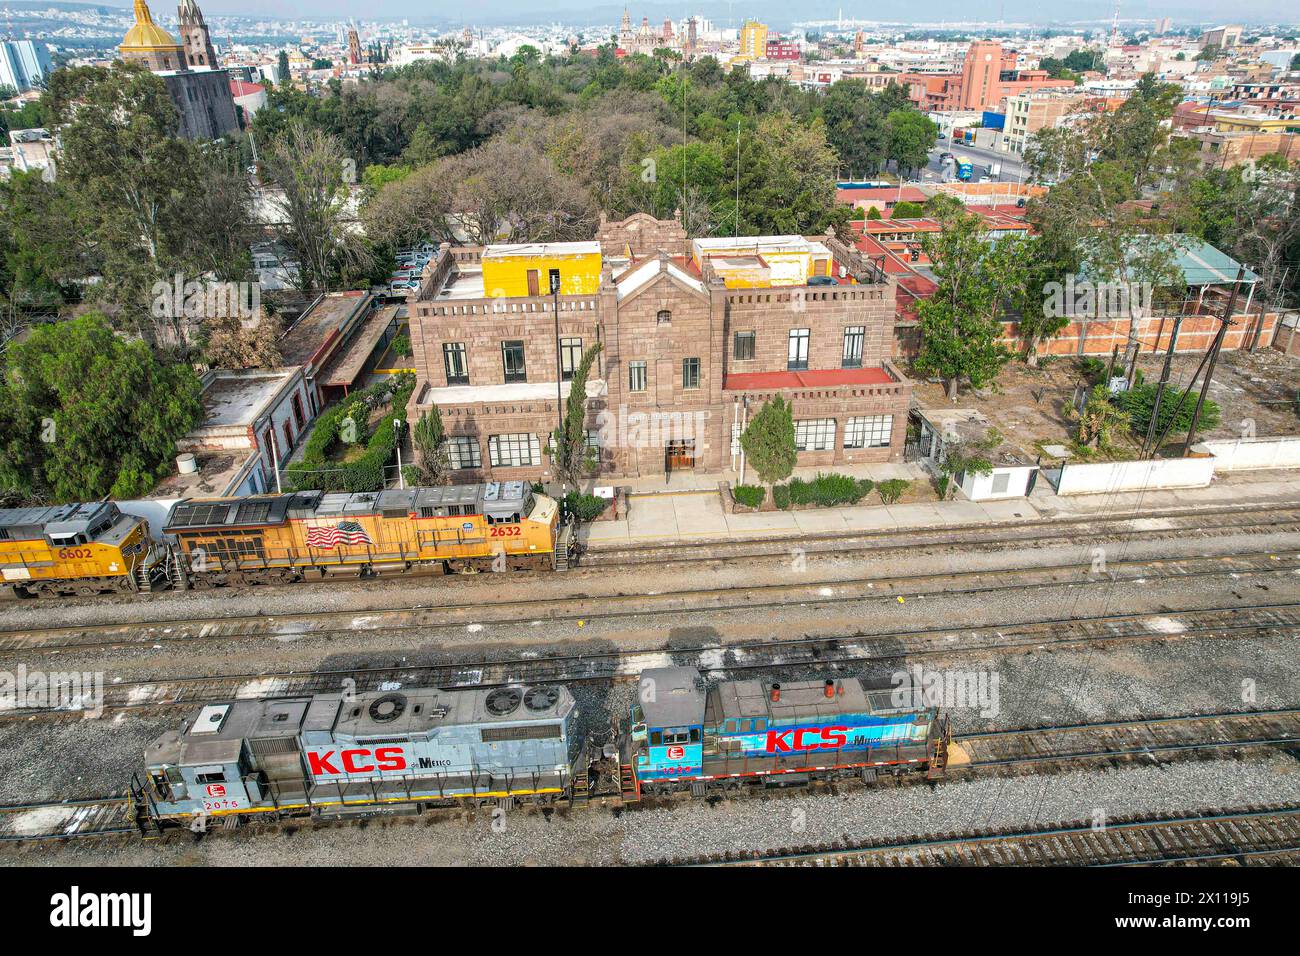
514, 451
591, 438
463, 452
814, 434
636, 376
690, 373
743, 347
871, 431
853, 337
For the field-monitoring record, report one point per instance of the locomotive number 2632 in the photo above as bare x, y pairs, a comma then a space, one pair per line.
505, 531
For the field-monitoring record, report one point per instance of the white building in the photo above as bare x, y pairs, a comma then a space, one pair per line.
943, 429
24, 64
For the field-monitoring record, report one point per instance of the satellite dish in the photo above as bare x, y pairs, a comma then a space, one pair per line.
503, 701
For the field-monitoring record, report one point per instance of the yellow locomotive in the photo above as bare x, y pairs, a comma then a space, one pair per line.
84, 548
282, 538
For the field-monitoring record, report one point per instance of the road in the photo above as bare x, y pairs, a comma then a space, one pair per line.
1013, 170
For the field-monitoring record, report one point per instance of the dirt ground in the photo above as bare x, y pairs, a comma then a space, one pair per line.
1030, 406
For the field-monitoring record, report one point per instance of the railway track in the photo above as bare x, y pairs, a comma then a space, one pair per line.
831, 654
613, 606
983, 753
1253, 835
1156, 525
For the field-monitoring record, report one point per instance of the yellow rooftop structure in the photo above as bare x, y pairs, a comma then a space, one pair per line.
525, 268
761, 262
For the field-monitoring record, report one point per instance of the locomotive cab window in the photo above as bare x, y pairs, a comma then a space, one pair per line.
656, 738
217, 777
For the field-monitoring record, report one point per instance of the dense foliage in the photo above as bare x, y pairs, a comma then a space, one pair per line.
86, 414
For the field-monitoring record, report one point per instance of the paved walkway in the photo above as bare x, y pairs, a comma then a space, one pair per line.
690, 513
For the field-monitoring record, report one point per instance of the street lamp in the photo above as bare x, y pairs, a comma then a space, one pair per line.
559, 368
397, 443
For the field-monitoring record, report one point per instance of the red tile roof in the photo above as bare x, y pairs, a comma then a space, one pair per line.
822, 378
885, 194
244, 88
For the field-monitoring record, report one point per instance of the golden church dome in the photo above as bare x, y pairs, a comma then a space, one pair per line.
147, 36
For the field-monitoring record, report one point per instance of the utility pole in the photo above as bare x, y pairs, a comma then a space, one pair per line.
1160, 388
1224, 322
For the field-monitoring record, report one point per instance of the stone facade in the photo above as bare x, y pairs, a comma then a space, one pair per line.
668, 386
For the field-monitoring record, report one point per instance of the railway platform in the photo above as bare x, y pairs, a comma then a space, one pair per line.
691, 509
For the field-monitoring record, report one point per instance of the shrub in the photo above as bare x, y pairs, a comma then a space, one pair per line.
751, 496
1139, 400
893, 489
402, 345
1092, 369
781, 496
585, 507
366, 472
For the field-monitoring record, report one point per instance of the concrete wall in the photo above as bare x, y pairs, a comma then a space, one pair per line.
1243, 454
1149, 475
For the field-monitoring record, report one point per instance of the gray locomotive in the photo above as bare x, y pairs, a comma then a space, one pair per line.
335, 754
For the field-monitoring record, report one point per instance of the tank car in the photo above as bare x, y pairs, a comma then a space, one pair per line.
338, 754
79, 549
738, 733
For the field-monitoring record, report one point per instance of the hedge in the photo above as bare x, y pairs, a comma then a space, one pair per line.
824, 491
751, 496
365, 473
585, 507
893, 489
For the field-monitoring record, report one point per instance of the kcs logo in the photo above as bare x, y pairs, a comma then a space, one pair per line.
676, 753
216, 790
805, 738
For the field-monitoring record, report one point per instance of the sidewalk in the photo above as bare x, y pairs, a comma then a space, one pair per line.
686, 513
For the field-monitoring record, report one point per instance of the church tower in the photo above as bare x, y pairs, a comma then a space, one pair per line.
150, 44
194, 34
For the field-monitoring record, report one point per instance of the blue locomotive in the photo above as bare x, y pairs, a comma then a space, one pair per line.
683, 734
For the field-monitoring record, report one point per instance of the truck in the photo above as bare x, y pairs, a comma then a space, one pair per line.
964, 168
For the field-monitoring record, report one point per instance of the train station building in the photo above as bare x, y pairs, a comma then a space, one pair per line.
695, 336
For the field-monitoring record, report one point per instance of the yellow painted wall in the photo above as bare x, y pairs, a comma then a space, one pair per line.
507, 275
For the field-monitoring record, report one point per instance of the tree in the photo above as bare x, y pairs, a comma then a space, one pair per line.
282, 67
909, 137
430, 439
311, 170
233, 344
768, 441
961, 323
907, 210
1099, 418
571, 455
87, 414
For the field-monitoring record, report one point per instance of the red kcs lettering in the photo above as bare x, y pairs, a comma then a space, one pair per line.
385, 758
805, 738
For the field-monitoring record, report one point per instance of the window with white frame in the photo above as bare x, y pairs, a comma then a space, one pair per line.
1001, 481
636, 376
814, 434
871, 431
570, 356
797, 358
463, 452
690, 373
514, 451
853, 337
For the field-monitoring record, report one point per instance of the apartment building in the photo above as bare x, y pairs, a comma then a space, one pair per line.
695, 337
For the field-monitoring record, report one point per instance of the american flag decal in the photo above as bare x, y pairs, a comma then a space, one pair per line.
347, 532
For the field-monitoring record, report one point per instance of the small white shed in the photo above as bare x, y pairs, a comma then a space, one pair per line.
1014, 472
